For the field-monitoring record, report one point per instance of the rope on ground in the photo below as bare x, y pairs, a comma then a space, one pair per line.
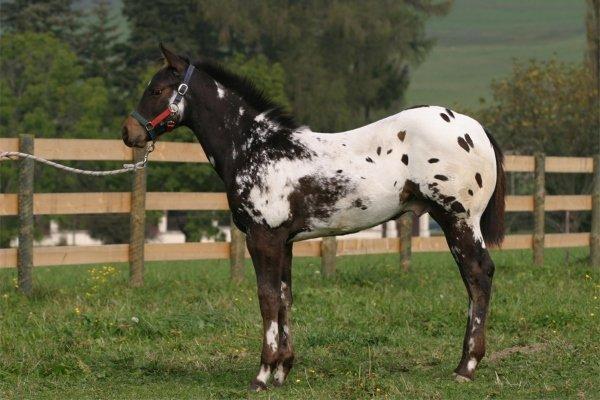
13, 155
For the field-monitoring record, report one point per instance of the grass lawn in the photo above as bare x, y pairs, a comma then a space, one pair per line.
370, 332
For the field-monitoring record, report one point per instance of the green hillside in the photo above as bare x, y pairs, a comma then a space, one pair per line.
478, 40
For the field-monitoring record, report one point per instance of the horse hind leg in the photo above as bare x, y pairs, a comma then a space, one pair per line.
477, 270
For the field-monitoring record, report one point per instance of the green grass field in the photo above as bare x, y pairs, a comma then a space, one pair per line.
373, 331
479, 39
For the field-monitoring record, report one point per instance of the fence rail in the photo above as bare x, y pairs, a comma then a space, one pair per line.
121, 202
114, 150
74, 255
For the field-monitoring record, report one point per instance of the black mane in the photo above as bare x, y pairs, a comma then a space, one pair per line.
244, 87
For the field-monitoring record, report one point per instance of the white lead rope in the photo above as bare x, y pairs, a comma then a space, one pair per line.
13, 155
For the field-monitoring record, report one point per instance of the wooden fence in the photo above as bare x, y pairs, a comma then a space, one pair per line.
25, 204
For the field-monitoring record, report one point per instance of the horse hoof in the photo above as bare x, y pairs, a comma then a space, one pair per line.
461, 378
257, 386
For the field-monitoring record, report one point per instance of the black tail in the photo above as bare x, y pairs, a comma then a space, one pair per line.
492, 220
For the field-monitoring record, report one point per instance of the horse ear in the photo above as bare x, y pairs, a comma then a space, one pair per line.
174, 61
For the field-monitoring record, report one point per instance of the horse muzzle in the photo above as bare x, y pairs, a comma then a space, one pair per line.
133, 133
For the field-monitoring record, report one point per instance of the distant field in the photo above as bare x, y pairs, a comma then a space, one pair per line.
373, 331
479, 39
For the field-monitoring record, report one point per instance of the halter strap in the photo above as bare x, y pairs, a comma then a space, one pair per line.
164, 121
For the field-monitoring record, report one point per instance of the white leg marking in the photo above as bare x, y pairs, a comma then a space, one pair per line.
279, 374
271, 336
471, 344
264, 373
472, 364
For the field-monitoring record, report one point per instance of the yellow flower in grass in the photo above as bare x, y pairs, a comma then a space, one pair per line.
77, 311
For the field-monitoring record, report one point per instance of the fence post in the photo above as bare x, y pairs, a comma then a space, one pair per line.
25, 198
237, 253
137, 233
328, 252
404, 228
595, 231
539, 209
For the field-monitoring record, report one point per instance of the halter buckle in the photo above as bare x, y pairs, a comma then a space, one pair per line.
182, 89
149, 126
174, 108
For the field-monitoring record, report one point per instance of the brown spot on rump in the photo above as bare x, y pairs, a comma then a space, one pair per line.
478, 179
379, 150
470, 192
449, 111
445, 117
402, 135
339, 171
363, 208
369, 159
395, 182
389, 151
462, 143
433, 160
469, 140
441, 177
405, 159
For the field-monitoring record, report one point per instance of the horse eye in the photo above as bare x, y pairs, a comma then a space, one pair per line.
156, 92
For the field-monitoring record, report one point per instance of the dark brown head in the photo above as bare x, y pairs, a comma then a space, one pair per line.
155, 99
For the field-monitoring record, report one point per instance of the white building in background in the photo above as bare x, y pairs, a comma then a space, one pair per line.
66, 237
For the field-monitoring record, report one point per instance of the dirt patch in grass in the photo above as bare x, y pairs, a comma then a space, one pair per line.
509, 351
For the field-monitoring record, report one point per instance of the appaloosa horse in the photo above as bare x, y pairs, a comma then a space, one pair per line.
286, 183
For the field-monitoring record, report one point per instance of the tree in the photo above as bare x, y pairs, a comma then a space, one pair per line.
593, 55
99, 37
42, 91
345, 62
592, 23
547, 107
57, 17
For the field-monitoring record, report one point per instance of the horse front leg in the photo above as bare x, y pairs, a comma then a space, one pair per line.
286, 351
268, 252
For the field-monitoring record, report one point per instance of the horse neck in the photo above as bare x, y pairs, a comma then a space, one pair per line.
221, 125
